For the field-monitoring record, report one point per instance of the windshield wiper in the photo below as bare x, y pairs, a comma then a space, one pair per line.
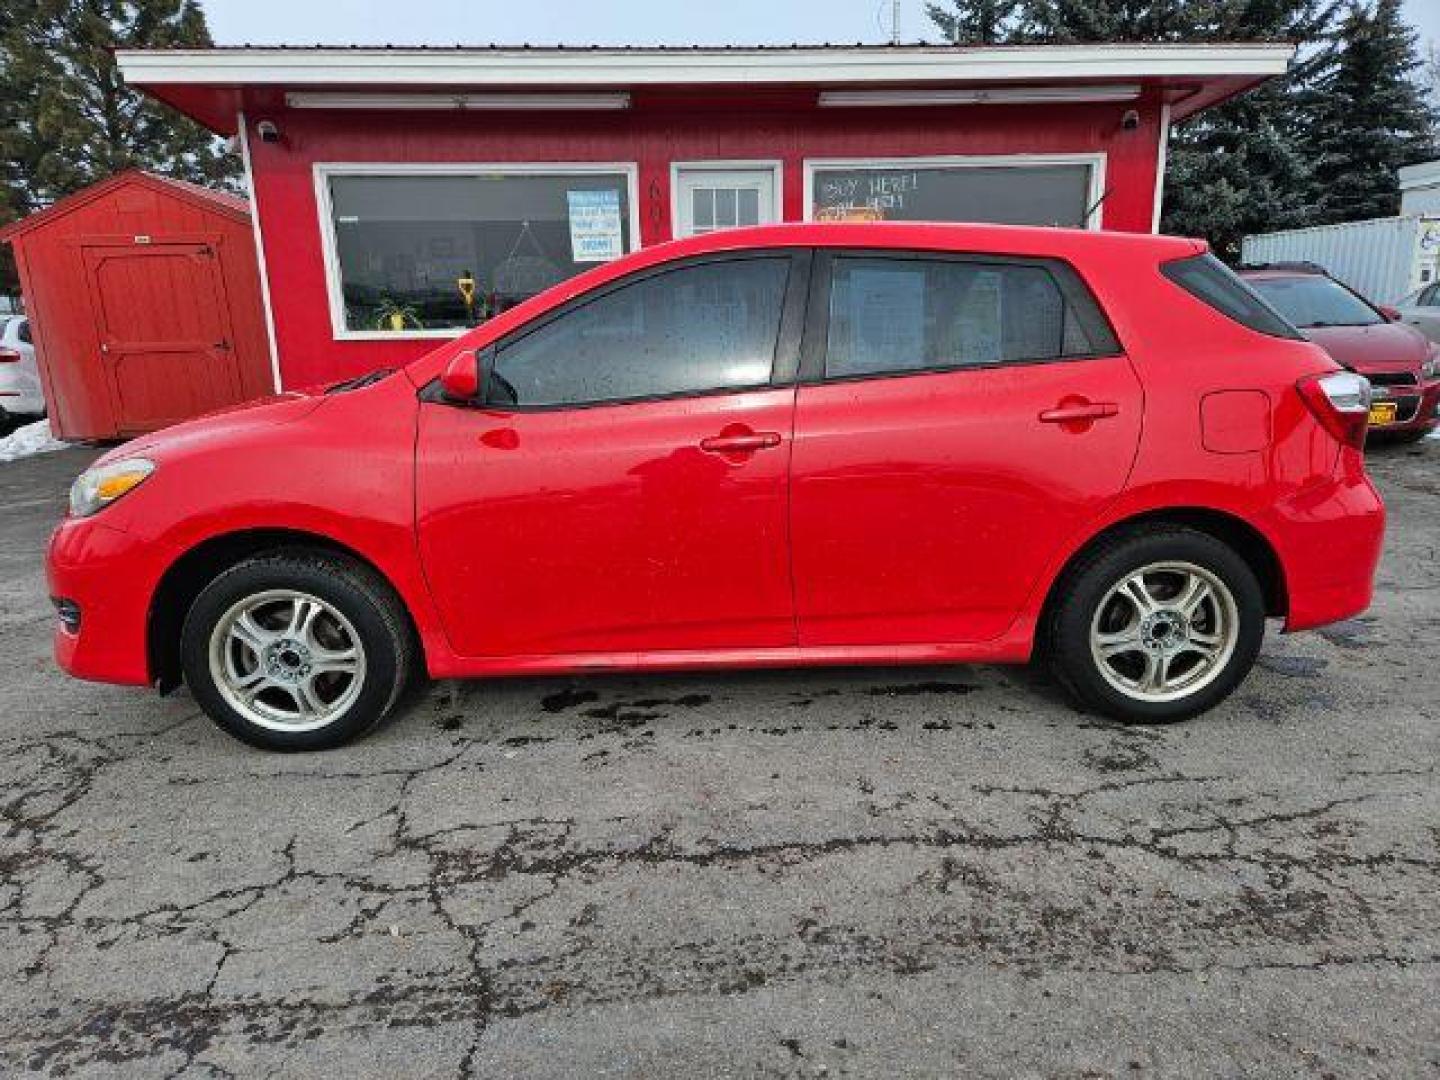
358, 383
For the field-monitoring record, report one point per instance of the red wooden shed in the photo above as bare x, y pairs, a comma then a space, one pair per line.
144, 302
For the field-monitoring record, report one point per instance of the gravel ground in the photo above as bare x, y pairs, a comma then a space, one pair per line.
880, 872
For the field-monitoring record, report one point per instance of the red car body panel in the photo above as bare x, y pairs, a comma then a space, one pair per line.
923, 507
915, 518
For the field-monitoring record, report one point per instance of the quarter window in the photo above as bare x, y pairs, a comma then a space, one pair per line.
1213, 283
896, 315
694, 329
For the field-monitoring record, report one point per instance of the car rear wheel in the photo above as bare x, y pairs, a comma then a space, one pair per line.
1156, 625
297, 650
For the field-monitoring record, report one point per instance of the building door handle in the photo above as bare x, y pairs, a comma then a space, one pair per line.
740, 442
1079, 412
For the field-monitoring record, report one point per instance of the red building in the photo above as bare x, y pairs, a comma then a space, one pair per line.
402, 195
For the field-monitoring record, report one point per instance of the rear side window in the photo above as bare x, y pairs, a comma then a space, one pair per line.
1212, 282
24, 331
890, 315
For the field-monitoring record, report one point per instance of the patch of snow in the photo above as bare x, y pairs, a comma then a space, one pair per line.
28, 440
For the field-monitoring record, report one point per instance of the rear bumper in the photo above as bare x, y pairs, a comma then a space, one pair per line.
110, 576
1329, 541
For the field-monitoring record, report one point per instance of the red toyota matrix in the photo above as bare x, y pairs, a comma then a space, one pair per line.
802, 444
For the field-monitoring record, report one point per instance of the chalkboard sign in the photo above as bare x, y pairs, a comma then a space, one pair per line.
1007, 195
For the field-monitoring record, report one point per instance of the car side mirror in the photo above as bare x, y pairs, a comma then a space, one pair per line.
1391, 314
466, 375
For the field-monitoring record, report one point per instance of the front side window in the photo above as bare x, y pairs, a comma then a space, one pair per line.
1313, 302
24, 331
894, 315
416, 253
693, 329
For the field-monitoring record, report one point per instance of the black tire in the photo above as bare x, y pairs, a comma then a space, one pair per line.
1066, 637
356, 592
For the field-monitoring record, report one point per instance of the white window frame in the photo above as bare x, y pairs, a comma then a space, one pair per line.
774, 165
1098, 163
325, 210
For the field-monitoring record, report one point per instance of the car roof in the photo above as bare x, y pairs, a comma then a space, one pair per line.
937, 236
1266, 271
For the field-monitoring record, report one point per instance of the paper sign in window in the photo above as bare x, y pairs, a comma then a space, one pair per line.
595, 234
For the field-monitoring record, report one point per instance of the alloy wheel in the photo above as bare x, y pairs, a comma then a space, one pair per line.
1164, 632
287, 660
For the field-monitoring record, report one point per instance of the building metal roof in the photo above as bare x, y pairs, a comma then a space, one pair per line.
211, 84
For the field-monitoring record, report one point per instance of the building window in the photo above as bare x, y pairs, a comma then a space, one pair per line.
439, 252
1042, 190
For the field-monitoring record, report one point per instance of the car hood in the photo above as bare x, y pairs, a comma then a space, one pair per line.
1382, 347
221, 424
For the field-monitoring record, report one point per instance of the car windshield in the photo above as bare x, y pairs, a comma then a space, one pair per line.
1312, 301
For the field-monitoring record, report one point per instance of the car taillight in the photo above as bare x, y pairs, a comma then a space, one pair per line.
9, 356
1341, 402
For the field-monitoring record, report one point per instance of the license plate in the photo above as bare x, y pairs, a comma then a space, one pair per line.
1382, 413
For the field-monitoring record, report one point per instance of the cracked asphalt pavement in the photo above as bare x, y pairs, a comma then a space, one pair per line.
876, 872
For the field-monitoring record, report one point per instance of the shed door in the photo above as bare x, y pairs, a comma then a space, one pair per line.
165, 342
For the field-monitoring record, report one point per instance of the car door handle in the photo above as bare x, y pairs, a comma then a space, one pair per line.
747, 443
1070, 414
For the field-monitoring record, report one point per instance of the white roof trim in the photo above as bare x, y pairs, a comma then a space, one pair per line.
638, 67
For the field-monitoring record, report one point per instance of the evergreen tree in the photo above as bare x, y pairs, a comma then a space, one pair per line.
1125, 20
980, 22
1237, 169
66, 117
1368, 115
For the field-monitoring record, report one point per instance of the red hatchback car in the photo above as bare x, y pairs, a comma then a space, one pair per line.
801, 444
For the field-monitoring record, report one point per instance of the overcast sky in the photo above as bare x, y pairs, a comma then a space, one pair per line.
586, 22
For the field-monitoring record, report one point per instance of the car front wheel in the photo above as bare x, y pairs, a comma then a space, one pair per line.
297, 650
1156, 625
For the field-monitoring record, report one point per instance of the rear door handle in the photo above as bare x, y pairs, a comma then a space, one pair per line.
747, 443
1070, 414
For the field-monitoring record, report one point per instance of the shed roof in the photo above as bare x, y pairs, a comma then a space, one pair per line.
207, 198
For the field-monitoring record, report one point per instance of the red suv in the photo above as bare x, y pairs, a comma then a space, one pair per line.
802, 444
1403, 367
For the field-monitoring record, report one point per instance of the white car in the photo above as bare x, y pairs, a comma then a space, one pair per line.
20, 394
1421, 309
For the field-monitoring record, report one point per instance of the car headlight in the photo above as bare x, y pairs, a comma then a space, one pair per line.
97, 488
1431, 368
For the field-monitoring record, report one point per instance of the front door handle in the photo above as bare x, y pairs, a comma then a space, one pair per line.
1079, 412
740, 443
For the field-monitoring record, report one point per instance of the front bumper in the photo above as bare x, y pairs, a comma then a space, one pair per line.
110, 576
1416, 408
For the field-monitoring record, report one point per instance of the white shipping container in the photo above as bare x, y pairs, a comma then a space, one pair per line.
1383, 259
